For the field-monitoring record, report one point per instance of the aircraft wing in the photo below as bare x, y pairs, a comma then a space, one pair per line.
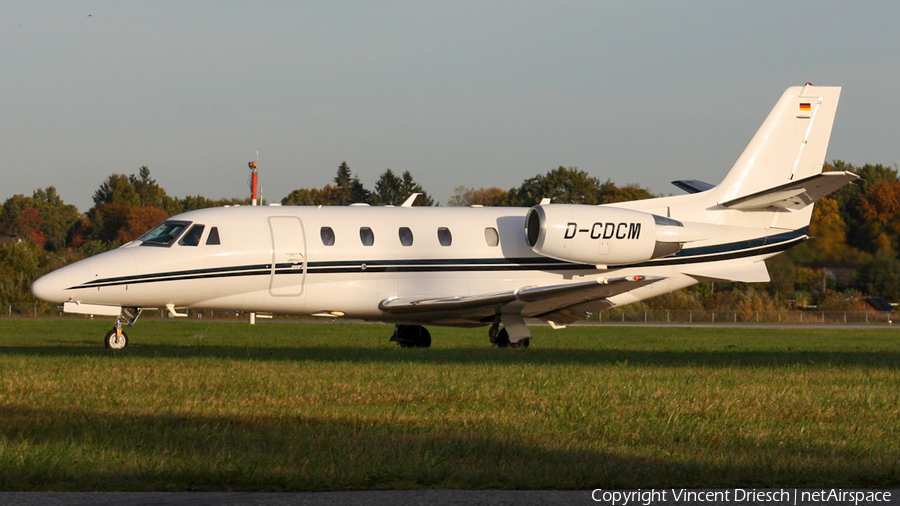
563, 303
794, 195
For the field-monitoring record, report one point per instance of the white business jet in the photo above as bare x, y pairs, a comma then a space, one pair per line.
496, 267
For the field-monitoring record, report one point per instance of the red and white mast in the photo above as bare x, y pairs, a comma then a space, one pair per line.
254, 183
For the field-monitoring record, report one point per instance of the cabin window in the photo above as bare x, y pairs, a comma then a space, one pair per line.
444, 236
164, 234
327, 236
406, 236
192, 237
491, 237
213, 239
366, 236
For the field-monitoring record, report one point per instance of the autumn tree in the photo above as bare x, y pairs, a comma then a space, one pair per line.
43, 218
880, 208
117, 189
564, 185
849, 200
103, 223
138, 220
881, 278
301, 197
829, 233
58, 217
609, 193
468, 196
151, 194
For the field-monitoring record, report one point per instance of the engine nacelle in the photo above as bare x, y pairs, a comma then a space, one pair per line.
603, 235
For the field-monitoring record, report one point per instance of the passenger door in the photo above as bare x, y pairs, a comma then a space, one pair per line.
288, 256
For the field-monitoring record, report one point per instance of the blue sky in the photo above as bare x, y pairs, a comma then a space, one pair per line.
458, 93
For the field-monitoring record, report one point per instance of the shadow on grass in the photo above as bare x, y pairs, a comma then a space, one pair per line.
479, 355
72, 449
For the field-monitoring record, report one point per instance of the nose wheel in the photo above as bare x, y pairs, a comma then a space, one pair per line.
116, 338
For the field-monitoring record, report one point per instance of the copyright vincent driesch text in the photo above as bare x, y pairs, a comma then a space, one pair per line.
784, 496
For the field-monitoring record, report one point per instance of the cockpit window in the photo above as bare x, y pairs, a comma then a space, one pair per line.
164, 234
213, 238
192, 237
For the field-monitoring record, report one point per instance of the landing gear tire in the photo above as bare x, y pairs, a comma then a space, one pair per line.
524, 343
114, 341
411, 336
501, 340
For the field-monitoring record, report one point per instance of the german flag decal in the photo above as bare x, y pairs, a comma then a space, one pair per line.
804, 107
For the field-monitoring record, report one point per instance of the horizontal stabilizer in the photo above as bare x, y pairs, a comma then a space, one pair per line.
793, 195
693, 186
755, 272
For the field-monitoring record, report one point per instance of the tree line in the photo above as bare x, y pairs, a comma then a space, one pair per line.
856, 230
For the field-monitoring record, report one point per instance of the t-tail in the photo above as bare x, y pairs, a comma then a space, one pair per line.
780, 170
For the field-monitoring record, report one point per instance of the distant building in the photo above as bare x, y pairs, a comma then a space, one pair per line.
878, 304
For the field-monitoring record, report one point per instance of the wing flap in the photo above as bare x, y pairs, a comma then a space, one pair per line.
793, 195
535, 301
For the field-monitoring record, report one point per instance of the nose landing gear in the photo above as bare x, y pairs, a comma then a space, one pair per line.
116, 338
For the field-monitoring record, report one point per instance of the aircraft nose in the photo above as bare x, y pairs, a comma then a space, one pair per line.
52, 287
49, 287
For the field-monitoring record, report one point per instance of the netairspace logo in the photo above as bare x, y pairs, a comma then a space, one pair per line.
738, 495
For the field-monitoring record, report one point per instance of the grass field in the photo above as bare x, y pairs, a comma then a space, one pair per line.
194, 405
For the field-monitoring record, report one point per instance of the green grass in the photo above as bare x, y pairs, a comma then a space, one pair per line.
194, 405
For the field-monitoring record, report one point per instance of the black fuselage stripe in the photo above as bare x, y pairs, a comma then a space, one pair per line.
216, 270
440, 265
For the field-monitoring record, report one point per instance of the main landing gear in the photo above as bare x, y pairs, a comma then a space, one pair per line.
500, 336
116, 338
411, 336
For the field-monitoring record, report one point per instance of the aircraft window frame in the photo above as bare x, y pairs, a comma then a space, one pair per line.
152, 237
366, 236
406, 236
213, 239
191, 238
445, 237
491, 237
327, 236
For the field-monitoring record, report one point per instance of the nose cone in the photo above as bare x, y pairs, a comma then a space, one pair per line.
50, 287
54, 287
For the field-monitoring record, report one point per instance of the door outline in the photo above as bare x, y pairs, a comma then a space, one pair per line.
289, 260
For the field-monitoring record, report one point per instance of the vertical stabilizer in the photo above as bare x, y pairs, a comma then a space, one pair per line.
789, 146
